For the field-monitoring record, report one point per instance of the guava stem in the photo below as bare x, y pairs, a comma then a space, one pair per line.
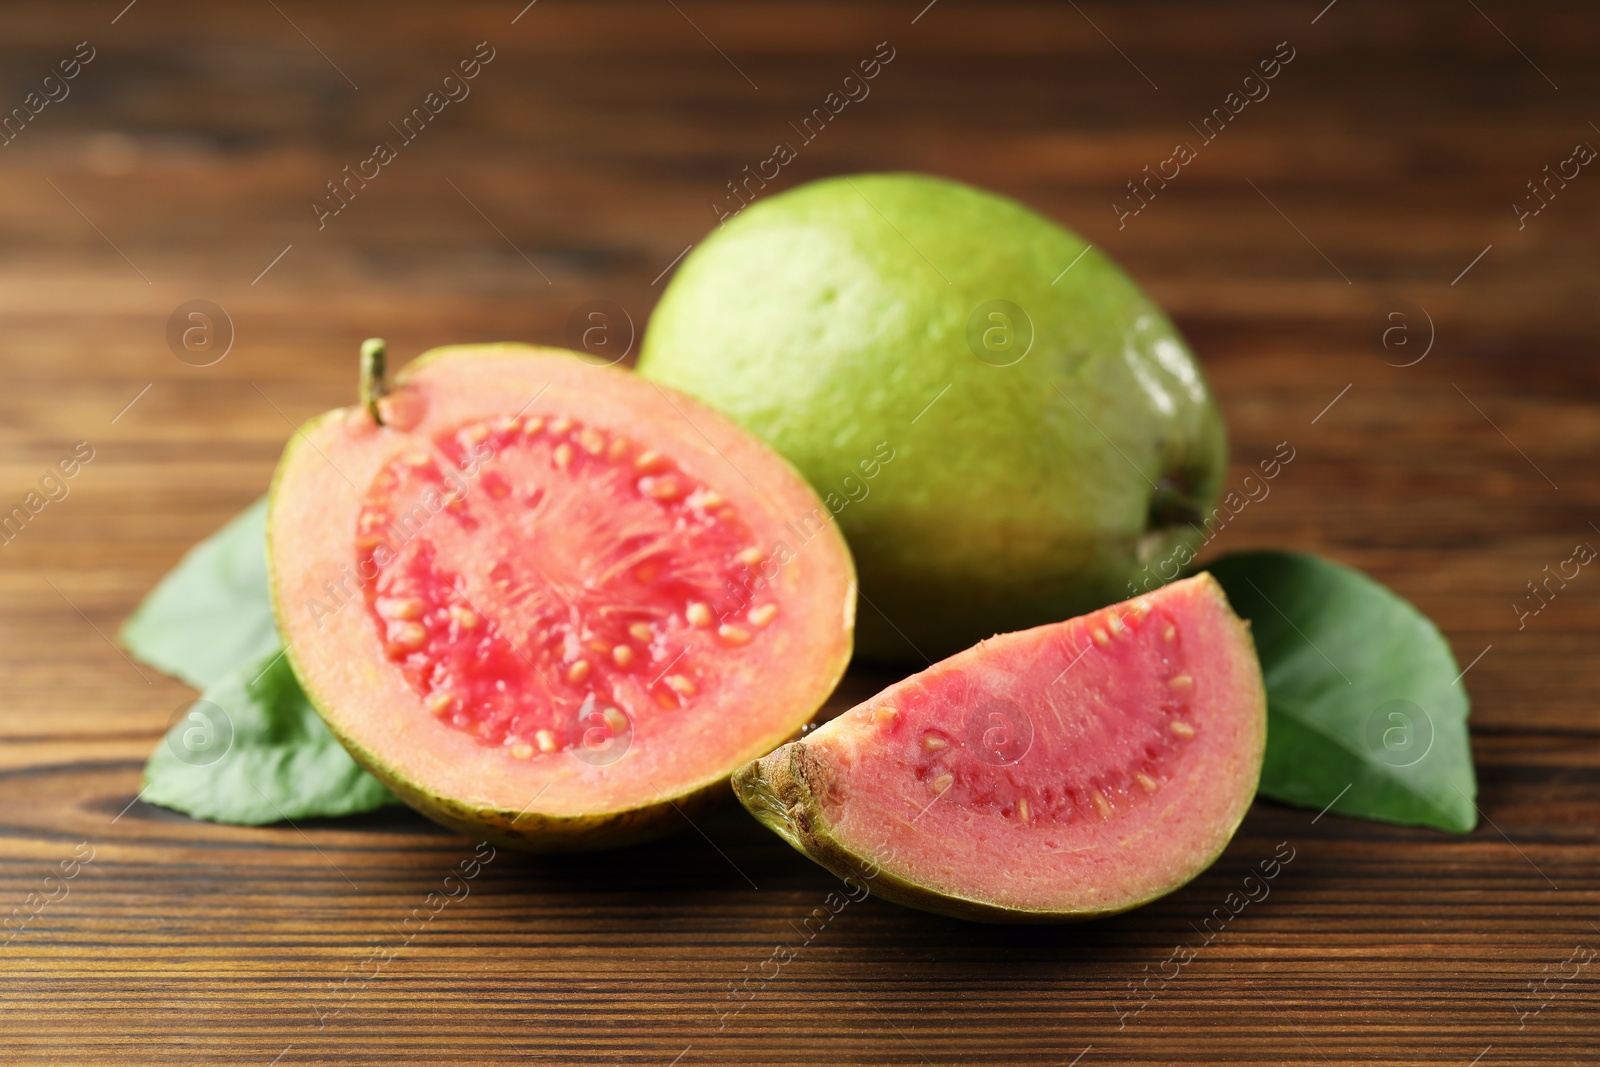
374, 368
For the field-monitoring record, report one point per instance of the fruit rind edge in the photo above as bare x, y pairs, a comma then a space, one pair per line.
778, 790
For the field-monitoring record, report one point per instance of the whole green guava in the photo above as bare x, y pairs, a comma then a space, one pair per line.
1007, 430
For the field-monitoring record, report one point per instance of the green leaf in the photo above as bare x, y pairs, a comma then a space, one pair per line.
212, 613
252, 750
1362, 692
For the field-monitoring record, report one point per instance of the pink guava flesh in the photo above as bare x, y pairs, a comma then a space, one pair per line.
609, 562
1067, 771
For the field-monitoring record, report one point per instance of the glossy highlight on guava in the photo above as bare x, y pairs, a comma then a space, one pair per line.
1051, 434
1067, 772
547, 602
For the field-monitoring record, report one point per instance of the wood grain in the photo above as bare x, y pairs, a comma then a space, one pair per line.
585, 160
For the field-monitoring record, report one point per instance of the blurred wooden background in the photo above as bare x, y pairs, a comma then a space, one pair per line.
1378, 177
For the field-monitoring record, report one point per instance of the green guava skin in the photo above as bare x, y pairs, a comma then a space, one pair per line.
832, 320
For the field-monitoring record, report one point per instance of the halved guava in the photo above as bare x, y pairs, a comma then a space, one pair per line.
1066, 772
546, 602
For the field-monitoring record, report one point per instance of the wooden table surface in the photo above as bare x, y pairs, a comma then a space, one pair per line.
1378, 177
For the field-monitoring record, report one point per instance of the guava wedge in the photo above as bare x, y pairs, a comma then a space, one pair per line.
1067, 772
547, 602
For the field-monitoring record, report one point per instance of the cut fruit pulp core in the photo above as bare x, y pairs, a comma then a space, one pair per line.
538, 580
1119, 729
